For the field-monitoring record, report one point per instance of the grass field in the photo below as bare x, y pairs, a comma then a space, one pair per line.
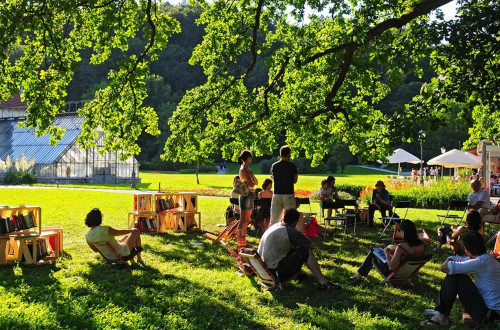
192, 287
223, 182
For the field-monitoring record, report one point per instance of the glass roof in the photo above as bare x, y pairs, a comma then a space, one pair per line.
15, 141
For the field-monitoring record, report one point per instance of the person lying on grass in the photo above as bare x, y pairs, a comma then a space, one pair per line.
481, 298
412, 245
128, 246
284, 250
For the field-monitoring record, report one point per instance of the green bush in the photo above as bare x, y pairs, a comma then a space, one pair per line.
304, 166
12, 177
265, 166
434, 196
314, 196
352, 189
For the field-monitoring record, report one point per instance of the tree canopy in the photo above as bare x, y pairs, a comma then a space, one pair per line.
42, 44
326, 74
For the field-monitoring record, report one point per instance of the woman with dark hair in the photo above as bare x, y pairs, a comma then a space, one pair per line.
246, 202
126, 247
412, 245
472, 223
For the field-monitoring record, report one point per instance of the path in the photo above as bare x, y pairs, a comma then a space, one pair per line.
382, 170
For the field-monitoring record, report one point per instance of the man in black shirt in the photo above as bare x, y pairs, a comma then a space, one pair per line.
285, 175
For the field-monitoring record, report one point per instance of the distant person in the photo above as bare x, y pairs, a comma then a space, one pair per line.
284, 250
264, 213
128, 246
481, 297
246, 202
285, 175
379, 201
236, 207
310, 226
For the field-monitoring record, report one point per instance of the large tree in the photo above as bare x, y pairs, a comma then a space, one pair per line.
52, 35
327, 73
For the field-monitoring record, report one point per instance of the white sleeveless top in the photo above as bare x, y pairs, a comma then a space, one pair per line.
100, 235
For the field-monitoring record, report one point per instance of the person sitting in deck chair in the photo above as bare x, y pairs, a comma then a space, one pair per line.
125, 248
481, 297
284, 250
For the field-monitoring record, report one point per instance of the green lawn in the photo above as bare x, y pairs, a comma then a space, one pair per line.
223, 182
188, 286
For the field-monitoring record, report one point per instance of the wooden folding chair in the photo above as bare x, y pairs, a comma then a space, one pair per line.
459, 207
226, 234
266, 278
334, 205
409, 267
400, 205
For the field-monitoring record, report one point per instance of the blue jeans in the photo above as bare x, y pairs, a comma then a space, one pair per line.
246, 202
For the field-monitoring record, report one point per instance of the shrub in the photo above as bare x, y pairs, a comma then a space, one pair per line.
12, 177
331, 164
304, 166
265, 166
434, 196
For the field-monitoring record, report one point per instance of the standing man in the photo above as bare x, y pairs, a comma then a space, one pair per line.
285, 175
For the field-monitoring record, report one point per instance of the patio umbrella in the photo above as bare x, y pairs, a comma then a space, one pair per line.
402, 156
456, 158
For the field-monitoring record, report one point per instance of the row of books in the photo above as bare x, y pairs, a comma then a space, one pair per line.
15, 222
141, 203
164, 204
144, 224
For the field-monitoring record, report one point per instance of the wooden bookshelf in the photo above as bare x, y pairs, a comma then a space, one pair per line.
135, 217
143, 202
15, 245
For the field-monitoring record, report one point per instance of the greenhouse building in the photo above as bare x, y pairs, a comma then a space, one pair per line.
65, 162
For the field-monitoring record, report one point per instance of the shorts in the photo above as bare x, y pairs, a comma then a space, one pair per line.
246, 202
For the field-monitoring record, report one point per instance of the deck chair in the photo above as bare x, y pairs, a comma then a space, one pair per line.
410, 265
266, 278
388, 221
334, 205
459, 207
349, 213
99, 247
226, 234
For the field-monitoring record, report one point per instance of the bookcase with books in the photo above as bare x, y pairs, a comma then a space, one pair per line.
143, 217
23, 238
177, 211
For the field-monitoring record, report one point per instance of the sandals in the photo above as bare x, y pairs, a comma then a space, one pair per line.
329, 286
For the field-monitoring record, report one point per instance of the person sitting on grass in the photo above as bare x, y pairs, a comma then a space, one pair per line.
412, 245
128, 247
481, 297
284, 250
472, 222
310, 228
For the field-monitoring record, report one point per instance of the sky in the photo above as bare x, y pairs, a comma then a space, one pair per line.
448, 9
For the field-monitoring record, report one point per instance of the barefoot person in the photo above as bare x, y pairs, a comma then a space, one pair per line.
246, 202
130, 244
481, 297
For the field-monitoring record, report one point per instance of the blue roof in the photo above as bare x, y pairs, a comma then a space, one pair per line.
15, 141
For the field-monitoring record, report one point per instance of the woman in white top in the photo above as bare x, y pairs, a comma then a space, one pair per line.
105, 234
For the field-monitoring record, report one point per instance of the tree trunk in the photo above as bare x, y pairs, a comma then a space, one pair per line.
197, 171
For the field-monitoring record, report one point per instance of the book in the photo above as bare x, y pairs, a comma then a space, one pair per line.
379, 253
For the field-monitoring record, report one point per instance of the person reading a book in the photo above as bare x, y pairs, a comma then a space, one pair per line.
481, 297
127, 247
389, 259
284, 251
379, 201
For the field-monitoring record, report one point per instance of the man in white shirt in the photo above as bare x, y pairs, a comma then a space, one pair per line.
479, 199
481, 297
